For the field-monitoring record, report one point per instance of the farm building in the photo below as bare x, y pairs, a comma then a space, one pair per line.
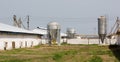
44, 39
13, 37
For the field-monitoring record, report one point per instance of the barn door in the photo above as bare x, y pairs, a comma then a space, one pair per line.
5, 45
21, 44
25, 43
13, 45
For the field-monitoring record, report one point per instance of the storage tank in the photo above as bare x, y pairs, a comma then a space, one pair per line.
102, 28
71, 33
53, 29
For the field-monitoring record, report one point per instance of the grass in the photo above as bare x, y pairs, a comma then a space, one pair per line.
95, 59
63, 53
60, 55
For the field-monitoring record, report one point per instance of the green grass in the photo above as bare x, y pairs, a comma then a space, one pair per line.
59, 55
63, 53
95, 59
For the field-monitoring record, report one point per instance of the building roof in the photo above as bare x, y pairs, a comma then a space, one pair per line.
44, 32
40, 31
8, 28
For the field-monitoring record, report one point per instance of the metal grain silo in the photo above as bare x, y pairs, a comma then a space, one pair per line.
53, 29
102, 27
71, 33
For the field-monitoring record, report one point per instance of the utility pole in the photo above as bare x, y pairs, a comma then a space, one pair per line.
28, 22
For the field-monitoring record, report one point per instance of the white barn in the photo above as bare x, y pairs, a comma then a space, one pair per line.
12, 37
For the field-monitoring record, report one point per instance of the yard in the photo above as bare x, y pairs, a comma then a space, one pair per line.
63, 53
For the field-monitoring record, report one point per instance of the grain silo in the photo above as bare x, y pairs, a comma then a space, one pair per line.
71, 33
102, 28
53, 29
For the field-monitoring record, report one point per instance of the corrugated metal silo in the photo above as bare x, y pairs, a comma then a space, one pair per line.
102, 27
53, 29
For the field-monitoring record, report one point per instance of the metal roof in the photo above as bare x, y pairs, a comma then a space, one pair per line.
8, 28
40, 31
44, 32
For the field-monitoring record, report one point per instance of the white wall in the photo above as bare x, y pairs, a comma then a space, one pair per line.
90, 41
44, 41
21, 41
84, 41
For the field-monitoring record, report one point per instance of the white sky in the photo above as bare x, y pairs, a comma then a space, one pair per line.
79, 14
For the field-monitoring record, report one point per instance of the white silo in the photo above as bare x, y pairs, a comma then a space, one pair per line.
53, 29
71, 33
102, 28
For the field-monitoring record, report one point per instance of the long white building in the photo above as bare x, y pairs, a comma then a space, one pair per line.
12, 37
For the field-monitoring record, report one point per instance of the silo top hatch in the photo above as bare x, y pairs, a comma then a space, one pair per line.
101, 17
53, 25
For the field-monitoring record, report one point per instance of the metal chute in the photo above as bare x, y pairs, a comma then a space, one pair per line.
115, 30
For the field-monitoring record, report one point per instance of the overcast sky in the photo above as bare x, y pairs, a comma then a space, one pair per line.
79, 14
